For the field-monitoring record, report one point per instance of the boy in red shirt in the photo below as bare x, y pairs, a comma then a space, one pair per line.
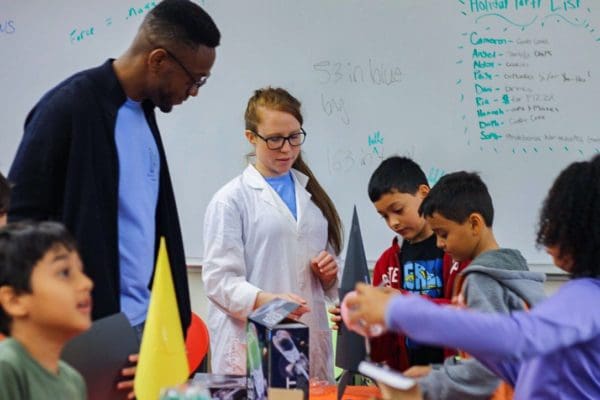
397, 187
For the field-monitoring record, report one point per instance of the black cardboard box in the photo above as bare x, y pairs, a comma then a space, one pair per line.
277, 350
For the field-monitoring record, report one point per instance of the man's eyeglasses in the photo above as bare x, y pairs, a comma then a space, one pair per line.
277, 142
197, 83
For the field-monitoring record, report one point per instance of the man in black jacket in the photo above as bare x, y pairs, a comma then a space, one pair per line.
92, 157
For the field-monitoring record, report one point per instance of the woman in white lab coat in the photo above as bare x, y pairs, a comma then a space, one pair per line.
271, 232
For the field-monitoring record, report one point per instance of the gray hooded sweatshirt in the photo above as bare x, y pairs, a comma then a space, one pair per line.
496, 281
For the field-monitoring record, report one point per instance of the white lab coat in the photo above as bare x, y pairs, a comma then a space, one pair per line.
251, 243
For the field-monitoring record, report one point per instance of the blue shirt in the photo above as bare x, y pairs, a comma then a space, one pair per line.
284, 186
422, 267
422, 273
139, 167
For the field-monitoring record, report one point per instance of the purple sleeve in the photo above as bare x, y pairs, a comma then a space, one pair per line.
447, 326
562, 321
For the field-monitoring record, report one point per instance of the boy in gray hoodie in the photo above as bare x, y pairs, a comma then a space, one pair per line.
459, 210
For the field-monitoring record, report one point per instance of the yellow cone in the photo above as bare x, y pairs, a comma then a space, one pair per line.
162, 361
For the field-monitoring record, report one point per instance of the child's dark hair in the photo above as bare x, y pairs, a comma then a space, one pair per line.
4, 194
570, 216
458, 195
22, 245
396, 175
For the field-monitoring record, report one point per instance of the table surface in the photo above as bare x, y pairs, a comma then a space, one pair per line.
352, 393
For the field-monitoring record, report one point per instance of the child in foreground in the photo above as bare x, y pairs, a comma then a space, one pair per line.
460, 211
550, 352
45, 300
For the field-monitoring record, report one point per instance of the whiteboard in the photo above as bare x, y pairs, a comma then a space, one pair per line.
506, 88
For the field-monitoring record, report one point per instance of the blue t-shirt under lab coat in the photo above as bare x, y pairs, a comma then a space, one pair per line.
284, 186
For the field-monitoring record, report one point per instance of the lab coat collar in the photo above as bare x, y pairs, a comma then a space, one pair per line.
302, 195
255, 180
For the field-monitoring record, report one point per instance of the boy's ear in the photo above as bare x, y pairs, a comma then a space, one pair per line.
12, 303
476, 223
423, 191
